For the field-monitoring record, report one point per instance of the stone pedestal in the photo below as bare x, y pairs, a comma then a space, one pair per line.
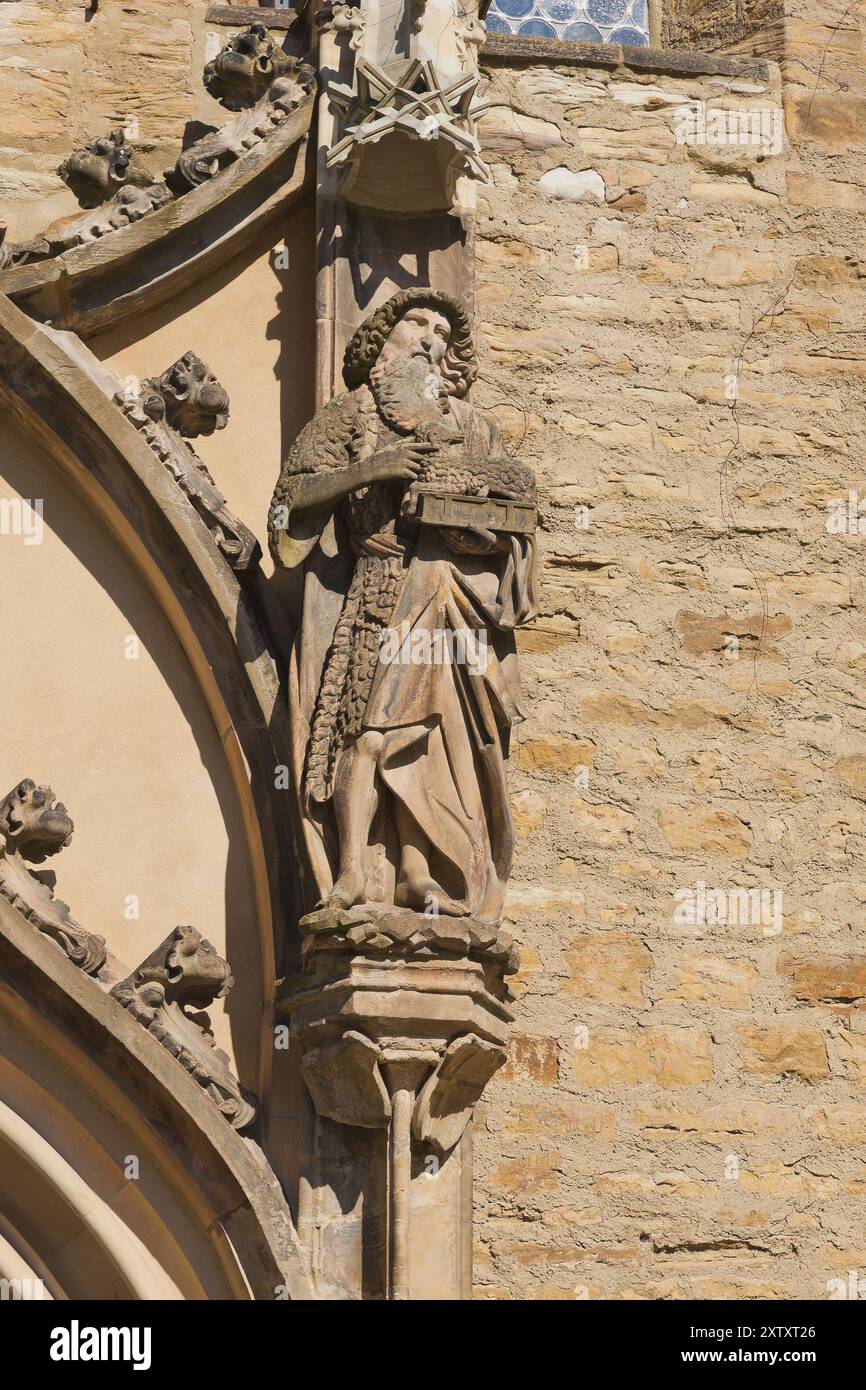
401, 1020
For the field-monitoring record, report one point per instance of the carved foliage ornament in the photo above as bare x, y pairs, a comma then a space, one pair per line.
345, 1080
185, 973
33, 827
343, 19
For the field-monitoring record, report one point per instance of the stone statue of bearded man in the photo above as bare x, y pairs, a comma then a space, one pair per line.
415, 530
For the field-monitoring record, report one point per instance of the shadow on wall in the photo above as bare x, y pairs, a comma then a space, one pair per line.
128, 744
291, 325
393, 269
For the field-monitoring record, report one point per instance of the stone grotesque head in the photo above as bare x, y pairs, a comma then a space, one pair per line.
32, 824
100, 171
182, 974
195, 973
242, 72
188, 397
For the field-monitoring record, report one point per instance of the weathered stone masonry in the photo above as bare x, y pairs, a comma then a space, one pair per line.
671, 336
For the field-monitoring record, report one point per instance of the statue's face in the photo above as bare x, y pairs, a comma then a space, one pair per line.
419, 333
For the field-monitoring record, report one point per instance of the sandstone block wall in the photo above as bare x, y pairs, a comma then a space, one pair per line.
673, 336
712, 25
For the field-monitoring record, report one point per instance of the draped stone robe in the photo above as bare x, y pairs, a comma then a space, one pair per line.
446, 723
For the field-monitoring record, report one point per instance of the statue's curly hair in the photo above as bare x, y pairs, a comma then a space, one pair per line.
460, 364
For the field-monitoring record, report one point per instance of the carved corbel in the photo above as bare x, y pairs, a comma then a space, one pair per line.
345, 1082
184, 402
409, 1082
183, 973
33, 827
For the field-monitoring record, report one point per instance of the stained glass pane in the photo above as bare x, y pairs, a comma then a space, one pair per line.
538, 27
591, 21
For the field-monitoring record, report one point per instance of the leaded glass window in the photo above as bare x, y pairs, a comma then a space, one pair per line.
592, 21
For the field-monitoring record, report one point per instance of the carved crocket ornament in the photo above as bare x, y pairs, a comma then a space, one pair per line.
186, 973
188, 397
184, 402
415, 531
108, 164
33, 827
251, 75
246, 68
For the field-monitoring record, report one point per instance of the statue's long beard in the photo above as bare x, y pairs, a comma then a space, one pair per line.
407, 391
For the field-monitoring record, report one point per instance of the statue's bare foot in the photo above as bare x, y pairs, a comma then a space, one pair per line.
427, 896
348, 890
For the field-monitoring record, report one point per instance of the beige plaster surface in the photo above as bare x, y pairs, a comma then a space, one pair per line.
127, 744
253, 323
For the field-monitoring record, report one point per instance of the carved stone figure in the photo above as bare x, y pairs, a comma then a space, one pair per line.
182, 403
253, 76
32, 829
469, 34
183, 973
245, 68
416, 533
98, 172
109, 181
128, 205
188, 397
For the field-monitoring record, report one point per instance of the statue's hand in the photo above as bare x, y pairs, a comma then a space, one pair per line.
397, 461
